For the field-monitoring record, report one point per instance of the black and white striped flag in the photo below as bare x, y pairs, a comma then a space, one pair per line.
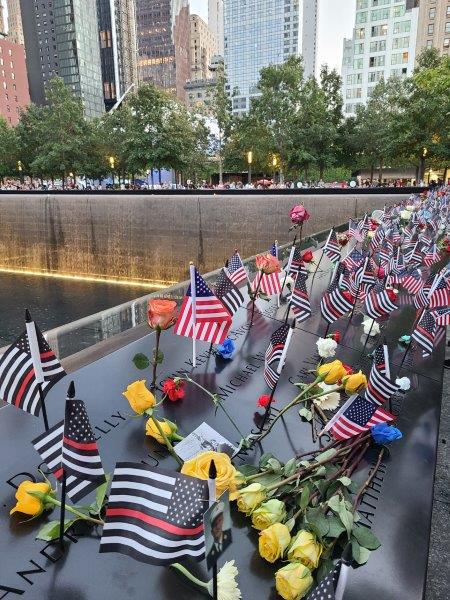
49, 447
380, 387
228, 293
27, 365
155, 515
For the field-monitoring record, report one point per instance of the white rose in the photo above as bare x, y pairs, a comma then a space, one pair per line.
329, 401
371, 327
326, 347
403, 383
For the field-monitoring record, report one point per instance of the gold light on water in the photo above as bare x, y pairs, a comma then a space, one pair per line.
155, 285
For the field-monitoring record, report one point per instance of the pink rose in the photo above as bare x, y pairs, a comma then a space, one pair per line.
267, 264
299, 214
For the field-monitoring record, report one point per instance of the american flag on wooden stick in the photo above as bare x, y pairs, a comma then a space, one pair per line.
202, 315
431, 256
297, 265
332, 248
335, 302
80, 456
273, 354
237, 271
155, 515
442, 316
379, 387
269, 284
424, 333
378, 302
49, 447
228, 293
439, 295
301, 306
27, 364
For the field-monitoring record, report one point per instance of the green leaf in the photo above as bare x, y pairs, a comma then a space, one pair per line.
345, 481
326, 455
265, 459
324, 568
346, 517
305, 414
319, 525
158, 357
336, 527
141, 361
290, 467
304, 497
366, 538
334, 503
359, 553
248, 470
275, 465
50, 531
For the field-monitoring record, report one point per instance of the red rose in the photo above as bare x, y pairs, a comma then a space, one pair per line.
348, 368
336, 336
381, 273
173, 390
307, 256
348, 296
264, 401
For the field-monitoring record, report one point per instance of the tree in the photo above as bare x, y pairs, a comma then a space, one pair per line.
220, 109
9, 148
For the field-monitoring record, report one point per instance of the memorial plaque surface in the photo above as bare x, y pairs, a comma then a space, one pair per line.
397, 506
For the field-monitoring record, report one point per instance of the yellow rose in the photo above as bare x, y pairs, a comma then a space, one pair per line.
331, 372
273, 542
306, 549
293, 581
169, 428
355, 383
270, 512
250, 497
226, 473
28, 504
139, 397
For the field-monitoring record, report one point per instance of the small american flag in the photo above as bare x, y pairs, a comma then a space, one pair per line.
155, 515
49, 447
357, 415
269, 284
80, 457
332, 248
424, 333
24, 367
421, 297
385, 251
273, 355
333, 303
297, 264
377, 303
353, 230
439, 296
378, 237
202, 315
379, 387
415, 255
301, 306
228, 293
353, 260
236, 269
431, 256
442, 316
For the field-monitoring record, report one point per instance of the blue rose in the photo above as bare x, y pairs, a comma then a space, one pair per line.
385, 434
226, 349
405, 339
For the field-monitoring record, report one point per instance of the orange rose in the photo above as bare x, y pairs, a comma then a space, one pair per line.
267, 263
161, 313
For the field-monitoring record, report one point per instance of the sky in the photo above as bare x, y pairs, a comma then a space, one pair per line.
336, 20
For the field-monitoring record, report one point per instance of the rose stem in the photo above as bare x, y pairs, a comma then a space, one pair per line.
255, 296
349, 471
72, 509
167, 441
155, 358
368, 480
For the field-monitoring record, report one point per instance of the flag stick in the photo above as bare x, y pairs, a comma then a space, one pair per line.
36, 360
279, 369
320, 259
193, 313
256, 295
70, 395
289, 263
212, 475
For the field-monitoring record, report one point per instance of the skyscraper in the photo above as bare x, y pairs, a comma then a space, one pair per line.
434, 25
203, 46
61, 39
14, 93
2, 20
383, 45
259, 33
163, 44
215, 22
15, 32
118, 47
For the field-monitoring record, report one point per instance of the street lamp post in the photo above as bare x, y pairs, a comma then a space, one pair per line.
20, 168
274, 165
249, 161
112, 164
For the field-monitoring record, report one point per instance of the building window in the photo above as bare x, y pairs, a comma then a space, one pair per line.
354, 93
361, 4
380, 2
358, 63
361, 17
378, 46
354, 79
446, 42
380, 15
399, 11
401, 42
379, 30
448, 11
359, 49
375, 76
447, 27
432, 13
360, 33
377, 61
402, 27
430, 28
399, 58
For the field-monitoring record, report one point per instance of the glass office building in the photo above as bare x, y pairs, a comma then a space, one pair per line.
258, 33
62, 40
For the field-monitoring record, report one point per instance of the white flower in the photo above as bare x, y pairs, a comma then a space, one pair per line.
329, 401
370, 234
403, 383
405, 215
227, 587
326, 347
371, 326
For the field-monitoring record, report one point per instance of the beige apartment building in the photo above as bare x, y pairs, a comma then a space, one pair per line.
434, 26
15, 31
203, 46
